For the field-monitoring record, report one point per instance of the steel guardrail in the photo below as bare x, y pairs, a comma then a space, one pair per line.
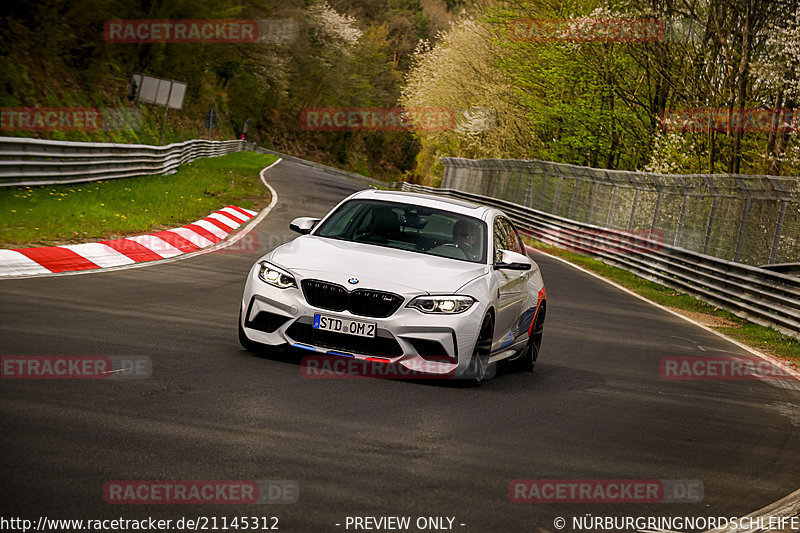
29, 162
762, 296
693, 211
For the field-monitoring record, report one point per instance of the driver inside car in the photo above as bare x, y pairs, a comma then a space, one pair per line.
465, 236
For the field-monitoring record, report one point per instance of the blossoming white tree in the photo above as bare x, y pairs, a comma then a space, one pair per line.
459, 73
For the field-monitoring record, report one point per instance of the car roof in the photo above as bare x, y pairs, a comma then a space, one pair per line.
425, 200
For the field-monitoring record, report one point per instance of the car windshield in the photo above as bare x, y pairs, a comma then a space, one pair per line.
408, 227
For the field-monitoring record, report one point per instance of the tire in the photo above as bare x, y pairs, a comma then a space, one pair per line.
479, 368
527, 361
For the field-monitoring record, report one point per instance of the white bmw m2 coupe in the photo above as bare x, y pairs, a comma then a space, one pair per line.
440, 286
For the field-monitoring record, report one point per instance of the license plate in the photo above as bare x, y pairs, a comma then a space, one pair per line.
344, 325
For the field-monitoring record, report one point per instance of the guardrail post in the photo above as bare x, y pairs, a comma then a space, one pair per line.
633, 207
489, 173
657, 209
544, 188
466, 178
590, 218
505, 175
712, 213
611, 203
681, 221
461, 175
528, 199
575, 196
682, 217
446, 174
776, 240
519, 178
710, 225
477, 177
451, 172
456, 175
784, 198
554, 209
745, 213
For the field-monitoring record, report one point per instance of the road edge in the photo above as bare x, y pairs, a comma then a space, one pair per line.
789, 505
232, 238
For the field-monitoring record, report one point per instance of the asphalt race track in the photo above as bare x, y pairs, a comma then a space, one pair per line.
596, 407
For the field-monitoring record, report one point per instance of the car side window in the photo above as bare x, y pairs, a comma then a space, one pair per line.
505, 238
519, 246
500, 238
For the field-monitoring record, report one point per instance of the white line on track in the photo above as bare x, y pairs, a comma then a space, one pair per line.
786, 507
784, 367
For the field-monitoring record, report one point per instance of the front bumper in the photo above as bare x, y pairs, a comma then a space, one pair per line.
433, 344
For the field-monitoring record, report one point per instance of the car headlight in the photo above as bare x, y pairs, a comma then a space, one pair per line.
277, 277
448, 305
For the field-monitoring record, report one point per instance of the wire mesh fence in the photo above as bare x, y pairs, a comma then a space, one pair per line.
753, 220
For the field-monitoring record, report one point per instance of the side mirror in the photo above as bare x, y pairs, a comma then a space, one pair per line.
303, 225
512, 261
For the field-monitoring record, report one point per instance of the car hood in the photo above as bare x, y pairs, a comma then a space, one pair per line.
375, 267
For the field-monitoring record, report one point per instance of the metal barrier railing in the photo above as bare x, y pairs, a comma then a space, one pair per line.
759, 295
25, 161
747, 219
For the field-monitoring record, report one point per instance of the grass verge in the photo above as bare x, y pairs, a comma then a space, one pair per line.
70, 214
764, 339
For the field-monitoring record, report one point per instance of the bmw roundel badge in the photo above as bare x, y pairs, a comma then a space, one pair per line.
352, 281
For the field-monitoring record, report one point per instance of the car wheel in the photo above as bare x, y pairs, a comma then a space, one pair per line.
527, 361
479, 368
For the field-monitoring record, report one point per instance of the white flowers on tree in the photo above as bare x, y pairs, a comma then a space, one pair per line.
332, 27
777, 81
459, 73
566, 94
